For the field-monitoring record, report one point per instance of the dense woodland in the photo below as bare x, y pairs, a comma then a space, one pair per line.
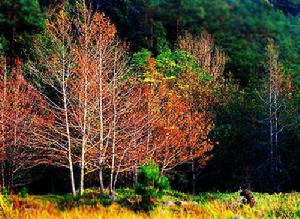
208, 90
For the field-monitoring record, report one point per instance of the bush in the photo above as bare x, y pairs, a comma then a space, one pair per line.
151, 185
5, 191
24, 192
68, 201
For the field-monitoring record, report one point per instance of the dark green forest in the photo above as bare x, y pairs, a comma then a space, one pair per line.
253, 104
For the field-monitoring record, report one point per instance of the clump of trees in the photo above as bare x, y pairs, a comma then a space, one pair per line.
103, 113
23, 111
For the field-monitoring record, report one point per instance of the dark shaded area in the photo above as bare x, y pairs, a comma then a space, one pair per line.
288, 6
19, 21
50, 180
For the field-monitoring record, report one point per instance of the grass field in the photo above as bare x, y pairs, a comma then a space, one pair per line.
205, 205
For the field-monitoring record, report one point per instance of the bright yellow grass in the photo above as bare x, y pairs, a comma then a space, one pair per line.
268, 206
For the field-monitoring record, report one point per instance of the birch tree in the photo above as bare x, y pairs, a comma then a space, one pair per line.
275, 108
274, 95
110, 97
53, 66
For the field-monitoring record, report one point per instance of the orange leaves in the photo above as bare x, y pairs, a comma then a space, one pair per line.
23, 114
180, 128
22, 105
152, 64
103, 27
104, 116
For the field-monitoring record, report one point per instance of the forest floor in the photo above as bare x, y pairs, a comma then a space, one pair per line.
180, 205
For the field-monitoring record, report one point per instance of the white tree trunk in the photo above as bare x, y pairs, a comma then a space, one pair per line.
101, 131
70, 161
114, 127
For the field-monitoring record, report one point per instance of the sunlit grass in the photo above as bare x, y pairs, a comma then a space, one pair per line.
209, 205
6, 207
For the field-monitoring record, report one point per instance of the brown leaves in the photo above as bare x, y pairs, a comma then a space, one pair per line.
179, 128
23, 114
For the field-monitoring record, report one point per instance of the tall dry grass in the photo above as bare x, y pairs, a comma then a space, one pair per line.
220, 206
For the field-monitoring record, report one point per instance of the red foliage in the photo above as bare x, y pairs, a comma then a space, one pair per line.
23, 112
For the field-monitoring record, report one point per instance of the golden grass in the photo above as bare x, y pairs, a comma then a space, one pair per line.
6, 208
268, 206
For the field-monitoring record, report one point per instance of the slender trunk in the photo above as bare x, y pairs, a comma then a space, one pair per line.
112, 163
82, 166
113, 153
114, 128
118, 169
84, 130
101, 186
84, 138
66, 118
274, 88
193, 177
70, 161
135, 175
116, 177
101, 131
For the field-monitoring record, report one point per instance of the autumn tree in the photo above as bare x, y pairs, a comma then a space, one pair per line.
96, 93
23, 111
180, 99
54, 67
118, 121
105, 92
200, 93
105, 34
211, 59
178, 129
180, 135
275, 97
